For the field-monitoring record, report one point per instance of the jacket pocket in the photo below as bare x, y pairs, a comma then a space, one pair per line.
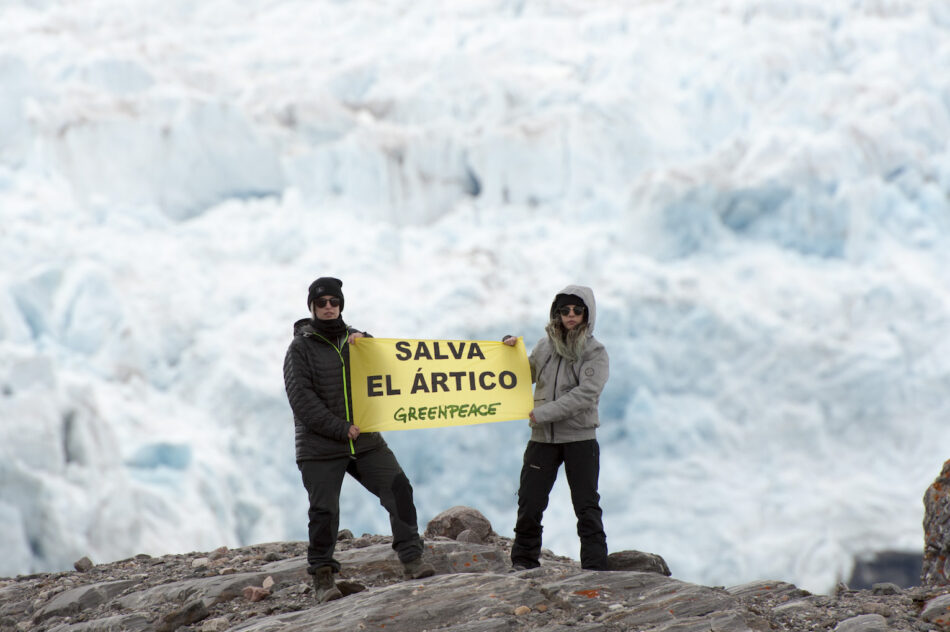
584, 420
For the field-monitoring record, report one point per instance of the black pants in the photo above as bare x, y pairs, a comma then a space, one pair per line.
379, 472
581, 461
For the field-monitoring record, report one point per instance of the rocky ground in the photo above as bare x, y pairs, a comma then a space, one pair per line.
265, 587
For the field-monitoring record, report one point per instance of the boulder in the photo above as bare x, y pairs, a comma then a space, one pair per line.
937, 611
637, 561
453, 522
936, 564
83, 564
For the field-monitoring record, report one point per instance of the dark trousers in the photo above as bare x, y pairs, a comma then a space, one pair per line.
581, 461
379, 472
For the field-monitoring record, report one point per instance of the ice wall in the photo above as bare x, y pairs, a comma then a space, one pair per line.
757, 192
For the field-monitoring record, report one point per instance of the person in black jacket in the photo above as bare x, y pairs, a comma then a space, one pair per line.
329, 445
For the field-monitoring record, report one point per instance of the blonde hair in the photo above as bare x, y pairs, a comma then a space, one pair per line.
568, 343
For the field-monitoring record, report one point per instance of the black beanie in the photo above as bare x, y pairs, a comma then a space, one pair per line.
562, 300
325, 286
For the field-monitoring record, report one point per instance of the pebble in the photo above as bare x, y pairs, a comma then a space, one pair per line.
218, 624
256, 593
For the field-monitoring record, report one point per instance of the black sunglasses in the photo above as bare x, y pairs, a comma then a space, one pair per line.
578, 310
322, 302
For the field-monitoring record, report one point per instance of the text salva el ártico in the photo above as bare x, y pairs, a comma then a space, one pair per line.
428, 382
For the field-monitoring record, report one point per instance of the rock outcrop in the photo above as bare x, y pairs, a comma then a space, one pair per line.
265, 588
936, 565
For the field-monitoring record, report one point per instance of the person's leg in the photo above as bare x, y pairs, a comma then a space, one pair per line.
582, 466
379, 472
538, 473
323, 480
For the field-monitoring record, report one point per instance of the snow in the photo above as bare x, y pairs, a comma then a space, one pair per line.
756, 191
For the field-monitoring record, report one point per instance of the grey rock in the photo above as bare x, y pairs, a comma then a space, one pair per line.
488, 625
778, 589
290, 569
218, 588
12, 604
119, 623
886, 588
81, 598
190, 613
218, 624
937, 611
452, 522
378, 561
83, 564
797, 607
863, 623
653, 602
412, 606
469, 536
218, 553
935, 569
637, 561
208, 589
200, 563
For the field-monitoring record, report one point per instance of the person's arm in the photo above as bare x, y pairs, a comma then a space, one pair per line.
594, 371
355, 334
512, 341
307, 406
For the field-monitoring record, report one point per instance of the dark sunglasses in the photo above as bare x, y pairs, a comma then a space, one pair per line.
578, 310
322, 302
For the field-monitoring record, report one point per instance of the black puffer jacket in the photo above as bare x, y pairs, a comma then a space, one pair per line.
317, 376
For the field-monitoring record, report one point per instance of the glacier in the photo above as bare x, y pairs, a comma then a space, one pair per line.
758, 192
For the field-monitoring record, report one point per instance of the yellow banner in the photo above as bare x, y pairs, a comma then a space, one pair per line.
406, 384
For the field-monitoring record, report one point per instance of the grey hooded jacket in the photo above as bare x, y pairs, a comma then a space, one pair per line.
566, 393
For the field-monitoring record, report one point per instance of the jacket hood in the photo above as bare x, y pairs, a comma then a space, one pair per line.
587, 295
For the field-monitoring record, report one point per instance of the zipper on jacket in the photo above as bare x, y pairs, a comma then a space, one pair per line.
346, 398
557, 372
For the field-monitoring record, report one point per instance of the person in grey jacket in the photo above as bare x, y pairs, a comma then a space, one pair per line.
329, 445
569, 368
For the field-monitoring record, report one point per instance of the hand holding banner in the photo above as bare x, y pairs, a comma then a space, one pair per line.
407, 384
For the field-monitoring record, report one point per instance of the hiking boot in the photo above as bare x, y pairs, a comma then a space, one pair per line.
417, 569
324, 588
